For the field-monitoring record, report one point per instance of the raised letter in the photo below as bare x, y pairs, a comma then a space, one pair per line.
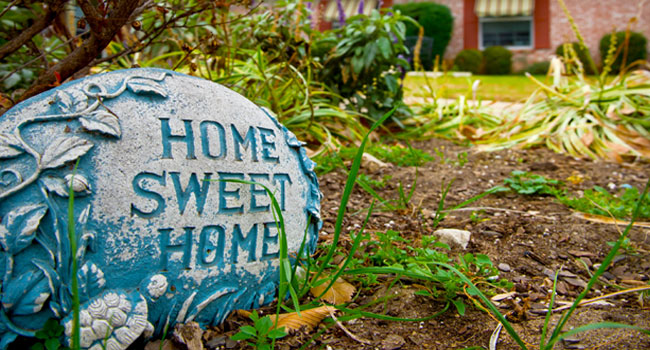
245, 142
269, 239
167, 249
223, 194
255, 191
207, 248
282, 178
167, 138
268, 144
205, 140
200, 191
248, 243
138, 188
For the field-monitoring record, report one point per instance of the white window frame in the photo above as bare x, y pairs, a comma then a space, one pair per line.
508, 19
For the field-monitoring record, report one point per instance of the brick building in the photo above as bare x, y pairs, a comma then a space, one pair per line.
531, 29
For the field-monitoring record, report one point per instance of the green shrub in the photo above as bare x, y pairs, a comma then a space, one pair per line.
469, 60
583, 55
437, 22
497, 60
363, 64
637, 49
537, 68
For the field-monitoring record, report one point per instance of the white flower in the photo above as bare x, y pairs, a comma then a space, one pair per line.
157, 286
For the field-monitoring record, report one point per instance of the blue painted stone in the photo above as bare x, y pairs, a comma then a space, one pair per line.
161, 236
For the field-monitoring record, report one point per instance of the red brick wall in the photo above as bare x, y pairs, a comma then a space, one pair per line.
594, 19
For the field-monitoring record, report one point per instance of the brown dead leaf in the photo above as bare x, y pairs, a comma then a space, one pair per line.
607, 220
341, 291
308, 318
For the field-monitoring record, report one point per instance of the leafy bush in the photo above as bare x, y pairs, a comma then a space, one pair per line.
469, 60
363, 64
636, 48
537, 68
497, 60
437, 22
583, 55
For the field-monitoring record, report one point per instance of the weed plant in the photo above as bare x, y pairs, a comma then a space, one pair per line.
597, 201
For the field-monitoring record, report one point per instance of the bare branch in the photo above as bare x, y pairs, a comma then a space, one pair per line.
16, 43
89, 49
92, 15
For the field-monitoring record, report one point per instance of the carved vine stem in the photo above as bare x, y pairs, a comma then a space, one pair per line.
102, 94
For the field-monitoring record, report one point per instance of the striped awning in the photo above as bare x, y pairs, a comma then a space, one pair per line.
501, 8
350, 8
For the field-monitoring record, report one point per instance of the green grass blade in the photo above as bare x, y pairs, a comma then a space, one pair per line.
349, 185
488, 304
604, 265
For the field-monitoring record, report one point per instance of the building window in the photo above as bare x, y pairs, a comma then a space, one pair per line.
511, 32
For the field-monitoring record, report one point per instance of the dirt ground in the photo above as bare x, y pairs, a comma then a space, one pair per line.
528, 237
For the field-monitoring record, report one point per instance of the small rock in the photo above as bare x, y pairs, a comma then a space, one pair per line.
570, 340
562, 288
392, 342
549, 273
189, 335
452, 236
504, 267
567, 274
619, 258
608, 275
580, 253
155, 345
494, 234
216, 342
370, 162
576, 282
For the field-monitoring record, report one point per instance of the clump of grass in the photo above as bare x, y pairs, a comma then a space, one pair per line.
395, 154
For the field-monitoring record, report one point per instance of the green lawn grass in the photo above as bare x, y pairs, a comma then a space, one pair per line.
511, 88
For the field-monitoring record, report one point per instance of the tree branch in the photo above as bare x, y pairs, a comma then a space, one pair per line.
89, 49
16, 43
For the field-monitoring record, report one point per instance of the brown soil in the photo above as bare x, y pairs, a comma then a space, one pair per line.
533, 235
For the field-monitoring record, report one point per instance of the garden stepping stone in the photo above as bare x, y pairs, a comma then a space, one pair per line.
172, 216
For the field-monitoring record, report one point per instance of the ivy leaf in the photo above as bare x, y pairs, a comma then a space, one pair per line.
55, 185
70, 102
9, 146
102, 121
26, 294
64, 149
142, 86
19, 225
53, 278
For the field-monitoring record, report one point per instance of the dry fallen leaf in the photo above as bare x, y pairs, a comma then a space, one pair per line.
341, 291
308, 318
291, 321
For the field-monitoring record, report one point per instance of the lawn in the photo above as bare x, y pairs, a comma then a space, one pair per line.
511, 88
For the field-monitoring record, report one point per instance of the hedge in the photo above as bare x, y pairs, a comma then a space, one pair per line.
437, 22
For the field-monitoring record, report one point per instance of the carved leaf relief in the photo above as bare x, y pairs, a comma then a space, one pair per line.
64, 149
9, 146
71, 102
91, 280
19, 225
102, 121
55, 185
143, 86
27, 294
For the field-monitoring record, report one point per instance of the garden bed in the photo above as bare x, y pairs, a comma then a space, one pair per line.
528, 237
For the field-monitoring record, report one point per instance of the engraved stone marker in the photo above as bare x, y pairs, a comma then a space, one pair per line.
162, 237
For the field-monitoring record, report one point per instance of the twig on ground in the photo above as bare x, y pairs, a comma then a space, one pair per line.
338, 323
